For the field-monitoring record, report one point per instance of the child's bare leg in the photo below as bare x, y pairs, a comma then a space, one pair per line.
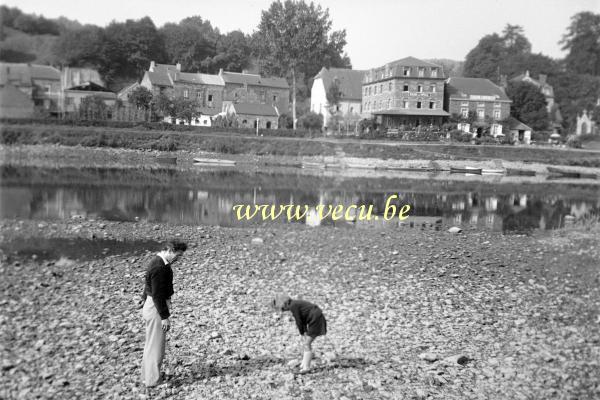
307, 356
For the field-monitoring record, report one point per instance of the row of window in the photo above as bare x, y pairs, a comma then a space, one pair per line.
381, 104
480, 113
406, 71
373, 89
480, 105
199, 93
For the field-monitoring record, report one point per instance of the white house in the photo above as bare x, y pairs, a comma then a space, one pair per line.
350, 84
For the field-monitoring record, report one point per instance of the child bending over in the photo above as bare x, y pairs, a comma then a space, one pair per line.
309, 320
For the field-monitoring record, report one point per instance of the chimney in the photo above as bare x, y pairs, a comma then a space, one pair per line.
527, 74
503, 81
542, 79
220, 71
178, 66
244, 71
152, 65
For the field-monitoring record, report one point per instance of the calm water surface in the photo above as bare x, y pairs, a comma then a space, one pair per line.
207, 197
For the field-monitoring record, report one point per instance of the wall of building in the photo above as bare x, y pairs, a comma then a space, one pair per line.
391, 94
238, 93
262, 121
455, 106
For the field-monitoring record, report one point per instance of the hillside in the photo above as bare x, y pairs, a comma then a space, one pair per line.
18, 46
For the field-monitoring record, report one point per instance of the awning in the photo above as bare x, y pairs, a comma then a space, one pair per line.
415, 112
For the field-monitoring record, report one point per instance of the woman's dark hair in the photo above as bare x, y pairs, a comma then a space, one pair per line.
176, 246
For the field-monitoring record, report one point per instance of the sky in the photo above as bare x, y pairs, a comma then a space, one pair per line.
377, 31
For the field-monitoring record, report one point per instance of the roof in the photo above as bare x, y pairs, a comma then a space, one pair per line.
76, 76
349, 81
128, 88
413, 62
90, 87
412, 111
24, 74
266, 110
515, 124
211, 79
44, 72
253, 79
208, 111
527, 78
457, 87
159, 78
12, 97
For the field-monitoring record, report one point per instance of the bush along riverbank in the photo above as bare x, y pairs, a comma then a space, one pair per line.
231, 143
434, 315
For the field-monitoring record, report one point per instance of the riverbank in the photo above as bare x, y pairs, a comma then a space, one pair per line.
403, 306
227, 144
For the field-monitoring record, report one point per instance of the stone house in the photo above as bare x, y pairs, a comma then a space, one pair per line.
541, 83
14, 103
252, 88
519, 132
205, 89
405, 94
478, 97
72, 96
42, 83
349, 83
249, 115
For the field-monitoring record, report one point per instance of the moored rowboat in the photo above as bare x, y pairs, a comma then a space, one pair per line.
213, 161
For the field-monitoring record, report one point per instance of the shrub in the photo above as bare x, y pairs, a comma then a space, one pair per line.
574, 142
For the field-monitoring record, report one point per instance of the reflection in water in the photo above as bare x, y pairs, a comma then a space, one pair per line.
208, 199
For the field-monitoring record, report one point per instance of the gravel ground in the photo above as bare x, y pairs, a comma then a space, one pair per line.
412, 314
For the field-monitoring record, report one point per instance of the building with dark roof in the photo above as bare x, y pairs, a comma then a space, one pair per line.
405, 93
42, 83
205, 89
253, 115
252, 88
477, 102
349, 83
14, 103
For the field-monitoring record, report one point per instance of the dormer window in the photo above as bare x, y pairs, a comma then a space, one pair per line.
421, 72
434, 72
406, 71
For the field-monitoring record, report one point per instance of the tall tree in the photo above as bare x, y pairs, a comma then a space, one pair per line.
233, 52
484, 60
528, 104
129, 47
81, 47
293, 38
515, 41
192, 42
582, 41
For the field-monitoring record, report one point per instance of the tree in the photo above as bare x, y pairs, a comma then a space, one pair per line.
484, 60
141, 98
161, 105
184, 109
515, 41
93, 107
311, 121
575, 93
192, 43
233, 52
81, 47
582, 41
294, 38
128, 48
528, 105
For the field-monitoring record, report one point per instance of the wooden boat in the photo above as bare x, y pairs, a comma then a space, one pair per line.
492, 172
465, 170
565, 173
519, 172
166, 160
214, 161
313, 165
